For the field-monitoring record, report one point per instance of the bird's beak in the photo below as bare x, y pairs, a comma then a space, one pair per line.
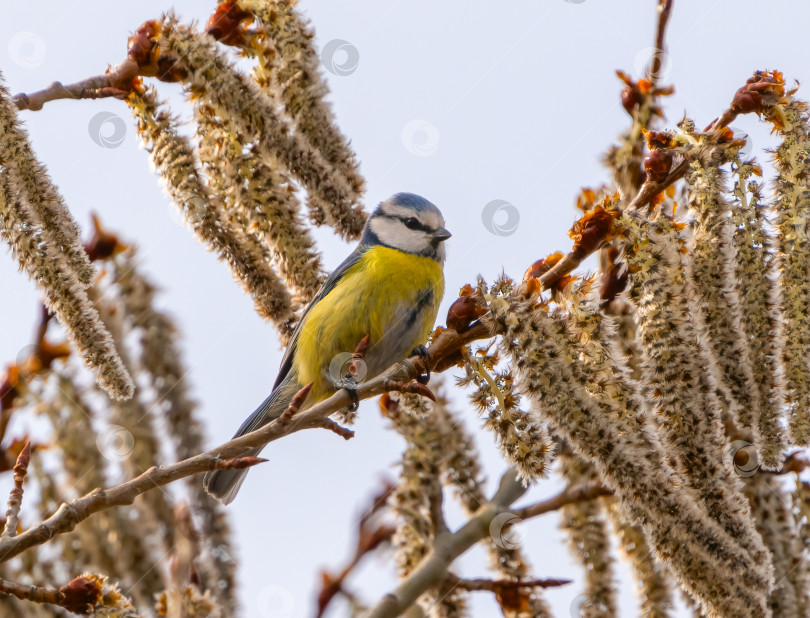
441, 234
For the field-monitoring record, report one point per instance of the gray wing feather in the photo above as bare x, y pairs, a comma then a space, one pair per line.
224, 484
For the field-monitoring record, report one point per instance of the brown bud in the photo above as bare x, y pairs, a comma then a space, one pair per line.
463, 312
227, 24
657, 165
81, 595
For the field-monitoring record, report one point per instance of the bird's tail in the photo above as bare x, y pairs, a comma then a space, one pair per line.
224, 484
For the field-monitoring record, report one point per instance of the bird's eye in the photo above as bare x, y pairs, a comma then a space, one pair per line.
412, 224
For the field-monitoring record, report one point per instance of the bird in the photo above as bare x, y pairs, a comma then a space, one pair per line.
389, 289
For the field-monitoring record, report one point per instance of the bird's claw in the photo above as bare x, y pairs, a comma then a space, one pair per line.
422, 352
349, 385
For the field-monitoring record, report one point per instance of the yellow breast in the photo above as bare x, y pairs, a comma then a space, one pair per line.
374, 290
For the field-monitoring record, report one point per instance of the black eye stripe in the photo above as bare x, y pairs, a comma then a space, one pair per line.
412, 223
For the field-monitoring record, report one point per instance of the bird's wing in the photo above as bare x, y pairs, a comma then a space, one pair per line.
328, 286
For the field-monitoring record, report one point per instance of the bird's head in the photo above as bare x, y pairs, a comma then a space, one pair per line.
409, 223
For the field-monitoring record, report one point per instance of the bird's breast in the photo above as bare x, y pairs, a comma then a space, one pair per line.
390, 295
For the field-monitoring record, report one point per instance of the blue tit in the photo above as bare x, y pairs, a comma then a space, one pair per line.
389, 288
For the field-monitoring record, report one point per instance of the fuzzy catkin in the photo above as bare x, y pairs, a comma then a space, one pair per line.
771, 508
761, 301
256, 191
652, 583
31, 179
139, 448
523, 441
679, 390
64, 293
84, 467
303, 87
603, 367
792, 206
586, 531
161, 361
415, 419
632, 463
420, 481
254, 115
173, 157
716, 307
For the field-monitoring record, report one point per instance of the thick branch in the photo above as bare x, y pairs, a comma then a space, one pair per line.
499, 585
433, 570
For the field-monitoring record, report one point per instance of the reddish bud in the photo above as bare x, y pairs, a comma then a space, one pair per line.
81, 595
591, 231
228, 23
463, 312
657, 165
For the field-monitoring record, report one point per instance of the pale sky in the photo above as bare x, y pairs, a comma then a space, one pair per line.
461, 102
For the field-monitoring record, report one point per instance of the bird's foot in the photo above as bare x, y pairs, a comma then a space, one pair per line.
422, 352
349, 384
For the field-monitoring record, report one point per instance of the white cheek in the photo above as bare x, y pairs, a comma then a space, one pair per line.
394, 234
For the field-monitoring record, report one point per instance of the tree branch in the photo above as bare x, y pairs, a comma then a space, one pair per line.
115, 83
79, 596
648, 191
433, 570
664, 11
499, 585
447, 547
70, 514
65, 519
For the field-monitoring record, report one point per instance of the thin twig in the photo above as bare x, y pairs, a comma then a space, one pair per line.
70, 514
24, 592
645, 195
571, 495
664, 11
111, 84
447, 547
78, 596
